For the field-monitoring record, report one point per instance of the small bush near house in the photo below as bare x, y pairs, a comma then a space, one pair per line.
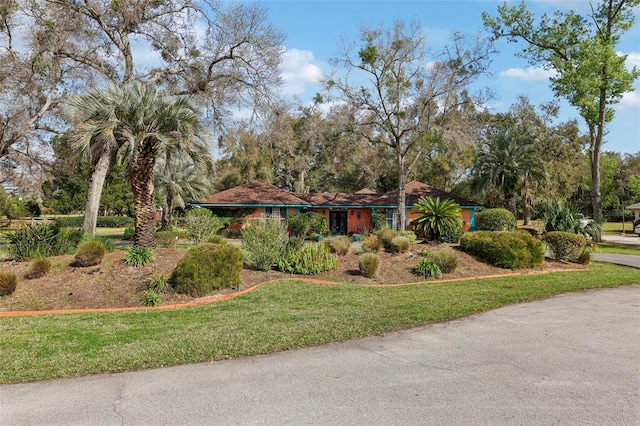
428, 268
89, 253
340, 245
201, 223
410, 235
495, 220
505, 249
8, 283
310, 259
368, 263
216, 239
138, 256
446, 259
451, 233
299, 224
565, 245
400, 245
39, 268
166, 239
371, 244
385, 235
264, 241
206, 268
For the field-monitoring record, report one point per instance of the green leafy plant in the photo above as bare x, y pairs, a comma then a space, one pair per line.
138, 256
435, 215
379, 221
151, 298
451, 233
129, 233
310, 259
89, 253
558, 215
8, 283
264, 241
495, 220
427, 268
368, 263
201, 223
505, 249
206, 268
40, 240
565, 245
159, 282
39, 267
410, 235
340, 245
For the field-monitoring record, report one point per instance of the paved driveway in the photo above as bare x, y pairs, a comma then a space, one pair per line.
570, 360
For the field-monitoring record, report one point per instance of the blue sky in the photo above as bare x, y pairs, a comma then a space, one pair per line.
313, 29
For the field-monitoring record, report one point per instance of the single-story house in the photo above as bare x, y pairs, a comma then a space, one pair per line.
346, 213
636, 210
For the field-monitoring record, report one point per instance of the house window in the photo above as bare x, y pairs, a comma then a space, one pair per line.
392, 218
284, 212
268, 211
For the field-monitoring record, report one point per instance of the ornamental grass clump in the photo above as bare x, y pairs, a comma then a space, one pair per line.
89, 253
206, 268
400, 245
8, 283
446, 259
340, 245
385, 236
38, 268
371, 244
368, 263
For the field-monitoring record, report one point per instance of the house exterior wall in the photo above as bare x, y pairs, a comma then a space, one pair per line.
359, 221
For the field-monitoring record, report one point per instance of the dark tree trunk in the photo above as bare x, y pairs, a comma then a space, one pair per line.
141, 176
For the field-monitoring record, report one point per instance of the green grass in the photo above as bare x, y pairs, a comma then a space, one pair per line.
615, 228
275, 317
115, 233
608, 247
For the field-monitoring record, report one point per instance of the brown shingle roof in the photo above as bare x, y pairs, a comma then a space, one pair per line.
256, 192
339, 199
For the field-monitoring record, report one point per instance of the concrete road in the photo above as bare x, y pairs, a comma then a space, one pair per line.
570, 360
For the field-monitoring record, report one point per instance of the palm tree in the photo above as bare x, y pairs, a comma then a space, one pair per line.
508, 164
437, 216
140, 124
182, 177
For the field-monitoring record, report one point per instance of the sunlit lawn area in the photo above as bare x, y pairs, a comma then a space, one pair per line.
606, 247
617, 227
277, 316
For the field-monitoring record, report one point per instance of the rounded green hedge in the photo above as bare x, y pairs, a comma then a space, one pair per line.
495, 220
206, 268
565, 245
505, 249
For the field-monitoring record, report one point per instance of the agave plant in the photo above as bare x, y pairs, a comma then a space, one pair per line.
436, 216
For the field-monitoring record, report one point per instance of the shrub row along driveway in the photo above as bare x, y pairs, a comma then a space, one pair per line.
571, 359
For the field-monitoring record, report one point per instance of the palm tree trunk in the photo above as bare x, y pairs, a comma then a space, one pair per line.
141, 176
526, 203
95, 192
510, 204
168, 214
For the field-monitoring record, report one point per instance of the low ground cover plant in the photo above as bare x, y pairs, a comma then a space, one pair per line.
206, 268
505, 249
138, 256
427, 268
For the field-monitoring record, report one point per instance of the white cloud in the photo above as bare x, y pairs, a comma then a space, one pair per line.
298, 70
633, 59
529, 74
630, 100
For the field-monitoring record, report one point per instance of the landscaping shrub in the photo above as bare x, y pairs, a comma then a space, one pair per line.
427, 268
410, 235
379, 221
201, 223
151, 298
216, 239
206, 268
8, 283
340, 245
565, 245
385, 235
264, 241
310, 259
89, 253
505, 249
446, 259
451, 233
371, 244
138, 256
159, 282
39, 240
298, 224
129, 233
166, 239
495, 220
400, 245
368, 263
584, 258
38, 268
